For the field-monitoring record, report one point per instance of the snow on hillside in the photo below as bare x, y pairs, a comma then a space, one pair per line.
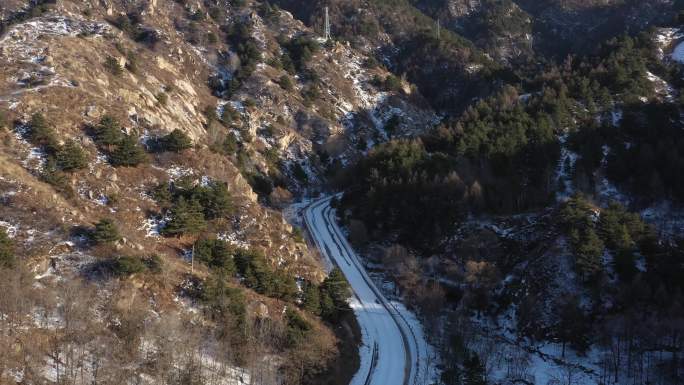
666, 217
25, 44
664, 39
566, 164
662, 88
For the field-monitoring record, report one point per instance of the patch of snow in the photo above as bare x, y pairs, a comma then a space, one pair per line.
662, 87
205, 181
616, 117
664, 39
564, 169
152, 226
21, 45
234, 239
17, 375
667, 219
177, 172
10, 229
524, 97
605, 189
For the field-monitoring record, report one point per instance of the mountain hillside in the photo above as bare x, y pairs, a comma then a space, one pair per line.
178, 179
143, 143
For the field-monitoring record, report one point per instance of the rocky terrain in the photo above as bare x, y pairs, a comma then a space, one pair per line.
159, 67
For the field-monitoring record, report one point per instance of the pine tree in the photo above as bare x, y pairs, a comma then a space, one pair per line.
108, 132
176, 141
474, 371
216, 254
41, 134
105, 231
285, 83
624, 263
71, 157
6, 250
53, 175
162, 194
230, 145
226, 303
186, 218
216, 200
573, 326
297, 327
328, 310
335, 291
284, 286
128, 153
312, 299
588, 251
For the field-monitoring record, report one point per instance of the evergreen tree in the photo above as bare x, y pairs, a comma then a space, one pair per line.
474, 371
176, 141
186, 218
285, 83
6, 250
108, 132
588, 252
328, 310
105, 231
162, 194
297, 328
41, 134
312, 299
53, 175
71, 157
619, 228
125, 266
263, 278
335, 291
573, 326
216, 200
216, 254
624, 264
128, 153
227, 304
230, 145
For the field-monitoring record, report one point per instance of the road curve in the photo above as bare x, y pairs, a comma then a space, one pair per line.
394, 350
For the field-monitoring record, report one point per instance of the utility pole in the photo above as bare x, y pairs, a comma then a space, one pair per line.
439, 30
327, 25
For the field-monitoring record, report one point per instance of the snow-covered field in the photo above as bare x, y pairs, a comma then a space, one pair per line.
395, 350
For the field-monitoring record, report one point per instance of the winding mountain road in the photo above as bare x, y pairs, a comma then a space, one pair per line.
394, 350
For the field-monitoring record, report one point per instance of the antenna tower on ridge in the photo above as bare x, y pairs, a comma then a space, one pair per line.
327, 25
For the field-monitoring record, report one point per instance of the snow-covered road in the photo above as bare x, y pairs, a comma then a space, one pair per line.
394, 350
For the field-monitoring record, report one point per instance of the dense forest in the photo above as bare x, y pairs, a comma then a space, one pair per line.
604, 119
